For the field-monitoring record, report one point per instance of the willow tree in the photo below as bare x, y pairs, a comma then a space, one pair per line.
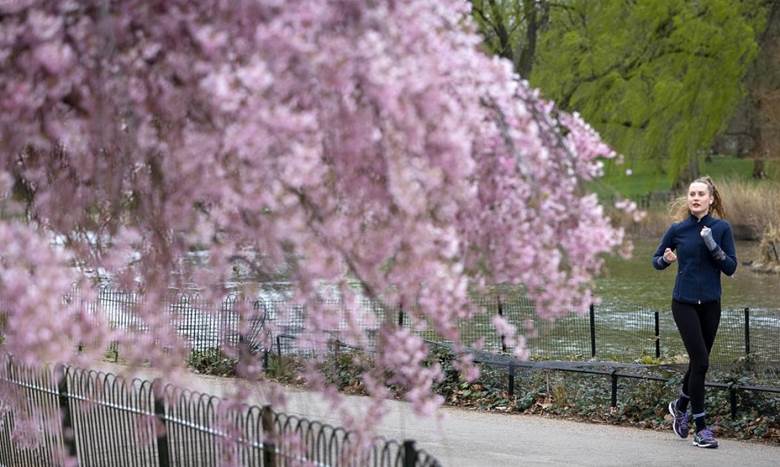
658, 80
371, 142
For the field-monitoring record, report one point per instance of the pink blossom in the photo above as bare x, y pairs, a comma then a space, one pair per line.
339, 141
55, 57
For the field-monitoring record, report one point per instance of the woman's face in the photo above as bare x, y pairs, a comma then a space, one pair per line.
699, 199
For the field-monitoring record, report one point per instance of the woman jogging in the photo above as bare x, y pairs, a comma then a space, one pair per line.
703, 247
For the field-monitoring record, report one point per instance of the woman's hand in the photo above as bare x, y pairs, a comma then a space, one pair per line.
669, 256
706, 234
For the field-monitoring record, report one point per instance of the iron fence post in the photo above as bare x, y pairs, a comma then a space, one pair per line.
68, 434
747, 331
401, 314
657, 335
614, 377
158, 392
410, 453
501, 313
242, 348
269, 446
733, 400
511, 385
592, 330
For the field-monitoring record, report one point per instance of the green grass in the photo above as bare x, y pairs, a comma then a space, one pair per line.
729, 167
647, 178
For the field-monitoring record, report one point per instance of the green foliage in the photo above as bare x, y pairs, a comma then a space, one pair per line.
661, 85
344, 369
658, 88
112, 353
285, 369
645, 177
488, 392
212, 362
451, 381
649, 360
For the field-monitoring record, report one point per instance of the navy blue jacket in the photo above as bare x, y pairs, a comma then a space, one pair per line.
698, 269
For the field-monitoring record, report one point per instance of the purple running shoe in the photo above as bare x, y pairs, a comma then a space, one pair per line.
705, 439
679, 420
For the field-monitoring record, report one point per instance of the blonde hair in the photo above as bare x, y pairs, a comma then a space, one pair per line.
679, 206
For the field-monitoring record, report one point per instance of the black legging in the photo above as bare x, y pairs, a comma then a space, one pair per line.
698, 325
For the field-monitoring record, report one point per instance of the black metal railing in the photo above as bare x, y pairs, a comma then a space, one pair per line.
101, 419
612, 372
609, 335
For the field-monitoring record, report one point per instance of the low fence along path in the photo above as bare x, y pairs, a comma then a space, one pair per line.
466, 438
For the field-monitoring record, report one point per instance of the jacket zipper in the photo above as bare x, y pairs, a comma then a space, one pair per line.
698, 262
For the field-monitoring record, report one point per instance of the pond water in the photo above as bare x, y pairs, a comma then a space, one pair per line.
623, 326
634, 284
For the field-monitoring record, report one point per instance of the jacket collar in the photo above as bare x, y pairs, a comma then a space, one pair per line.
706, 220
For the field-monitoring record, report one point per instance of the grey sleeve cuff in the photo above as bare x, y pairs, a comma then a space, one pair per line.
718, 254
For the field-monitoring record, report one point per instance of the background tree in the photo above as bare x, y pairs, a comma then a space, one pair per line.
345, 140
764, 99
657, 79
661, 85
752, 129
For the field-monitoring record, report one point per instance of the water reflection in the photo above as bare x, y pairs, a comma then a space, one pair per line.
634, 284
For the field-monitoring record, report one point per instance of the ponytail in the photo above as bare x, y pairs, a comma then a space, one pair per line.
717, 202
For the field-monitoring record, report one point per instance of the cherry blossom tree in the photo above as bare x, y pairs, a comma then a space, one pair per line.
347, 140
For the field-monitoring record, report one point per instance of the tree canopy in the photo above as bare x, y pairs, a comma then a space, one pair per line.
658, 80
347, 140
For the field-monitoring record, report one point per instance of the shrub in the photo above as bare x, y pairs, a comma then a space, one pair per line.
751, 206
212, 362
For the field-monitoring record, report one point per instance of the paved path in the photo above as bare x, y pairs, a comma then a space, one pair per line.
463, 438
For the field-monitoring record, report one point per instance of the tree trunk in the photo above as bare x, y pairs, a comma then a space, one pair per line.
501, 31
752, 130
688, 173
759, 172
693, 167
537, 14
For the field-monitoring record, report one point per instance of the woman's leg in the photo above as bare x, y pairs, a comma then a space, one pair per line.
689, 324
679, 408
685, 393
709, 320
709, 317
